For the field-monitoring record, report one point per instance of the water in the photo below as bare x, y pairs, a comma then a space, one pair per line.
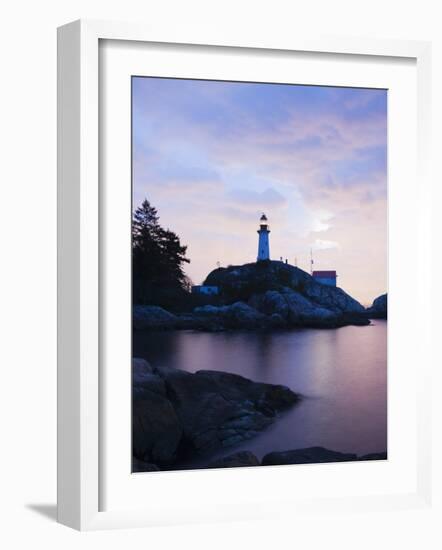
342, 374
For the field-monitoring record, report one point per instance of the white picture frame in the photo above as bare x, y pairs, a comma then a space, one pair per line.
80, 293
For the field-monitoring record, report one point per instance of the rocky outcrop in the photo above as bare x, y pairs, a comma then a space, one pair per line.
379, 308
270, 303
153, 317
332, 298
235, 460
282, 308
288, 296
219, 409
235, 316
262, 295
293, 308
144, 378
311, 455
176, 413
157, 431
246, 280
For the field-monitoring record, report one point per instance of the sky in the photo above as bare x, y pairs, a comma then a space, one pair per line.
213, 156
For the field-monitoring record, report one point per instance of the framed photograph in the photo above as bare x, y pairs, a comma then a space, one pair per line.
239, 327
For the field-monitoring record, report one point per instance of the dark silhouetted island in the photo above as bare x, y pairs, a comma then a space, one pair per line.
260, 295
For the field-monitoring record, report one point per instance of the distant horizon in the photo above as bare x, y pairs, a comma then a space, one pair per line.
211, 156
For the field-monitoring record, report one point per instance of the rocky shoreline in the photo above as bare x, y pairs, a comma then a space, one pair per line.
242, 316
244, 459
264, 296
179, 416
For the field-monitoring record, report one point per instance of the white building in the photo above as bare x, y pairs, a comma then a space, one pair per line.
263, 241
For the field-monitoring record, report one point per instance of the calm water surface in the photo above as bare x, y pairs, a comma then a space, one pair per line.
341, 373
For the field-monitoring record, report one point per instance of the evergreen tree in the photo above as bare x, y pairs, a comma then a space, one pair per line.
158, 255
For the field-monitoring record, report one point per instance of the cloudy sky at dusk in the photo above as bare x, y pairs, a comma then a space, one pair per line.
212, 156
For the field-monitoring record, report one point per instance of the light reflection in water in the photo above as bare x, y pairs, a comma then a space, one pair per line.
342, 373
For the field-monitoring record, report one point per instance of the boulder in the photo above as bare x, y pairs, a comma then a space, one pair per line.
235, 460
303, 312
310, 455
294, 309
145, 379
156, 430
242, 314
237, 315
189, 321
270, 303
152, 317
178, 412
218, 409
140, 369
332, 298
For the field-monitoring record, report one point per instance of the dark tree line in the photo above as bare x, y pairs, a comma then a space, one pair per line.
158, 258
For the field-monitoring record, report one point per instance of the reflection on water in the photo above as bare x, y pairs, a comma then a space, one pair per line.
341, 373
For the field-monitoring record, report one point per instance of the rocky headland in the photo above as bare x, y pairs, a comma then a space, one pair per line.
261, 295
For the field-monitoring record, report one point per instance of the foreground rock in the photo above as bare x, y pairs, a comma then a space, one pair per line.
236, 460
178, 414
379, 308
140, 466
157, 431
218, 409
153, 317
311, 455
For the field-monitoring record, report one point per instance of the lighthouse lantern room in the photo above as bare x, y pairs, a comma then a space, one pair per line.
263, 241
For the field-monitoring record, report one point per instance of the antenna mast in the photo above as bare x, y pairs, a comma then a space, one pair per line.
311, 261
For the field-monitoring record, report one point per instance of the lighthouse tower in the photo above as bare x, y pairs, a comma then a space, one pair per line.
263, 242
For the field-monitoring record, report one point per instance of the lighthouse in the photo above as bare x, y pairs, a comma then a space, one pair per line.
263, 241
